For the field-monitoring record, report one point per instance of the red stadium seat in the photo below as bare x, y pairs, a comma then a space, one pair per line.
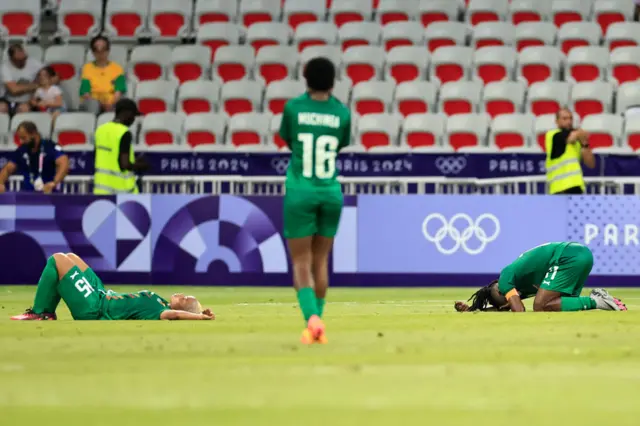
248, 129
503, 97
547, 97
587, 64
161, 129
204, 130
241, 96
297, 12
344, 11
423, 130
363, 63
451, 63
415, 97
155, 96
437, 11
275, 63
216, 35
20, 18
396, 10
460, 97
378, 130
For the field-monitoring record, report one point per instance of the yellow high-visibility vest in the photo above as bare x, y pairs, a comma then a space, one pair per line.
109, 178
565, 171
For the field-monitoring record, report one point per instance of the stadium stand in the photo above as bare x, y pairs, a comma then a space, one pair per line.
463, 67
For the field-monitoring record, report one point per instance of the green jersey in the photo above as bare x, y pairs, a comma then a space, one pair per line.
531, 270
143, 305
315, 132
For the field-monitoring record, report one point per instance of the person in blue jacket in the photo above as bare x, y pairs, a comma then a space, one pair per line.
41, 162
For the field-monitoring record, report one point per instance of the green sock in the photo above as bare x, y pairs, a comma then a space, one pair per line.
583, 303
307, 301
47, 296
321, 303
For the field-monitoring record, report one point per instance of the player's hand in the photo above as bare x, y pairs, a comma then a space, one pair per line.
208, 315
461, 306
48, 187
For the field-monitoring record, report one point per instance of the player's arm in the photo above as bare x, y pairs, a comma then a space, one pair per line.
285, 126
62, 167
173, 315
138, 165
506, 286
515, 302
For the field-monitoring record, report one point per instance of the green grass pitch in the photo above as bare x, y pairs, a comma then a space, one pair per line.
394, 356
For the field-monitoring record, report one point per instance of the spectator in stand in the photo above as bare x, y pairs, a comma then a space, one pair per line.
41, 162
48, 96
103, 81
19, 76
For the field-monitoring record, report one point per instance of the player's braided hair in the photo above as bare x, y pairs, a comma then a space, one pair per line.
482, 298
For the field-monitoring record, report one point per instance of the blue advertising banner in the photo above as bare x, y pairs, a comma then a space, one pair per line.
459, 234
355, 164
462, 240
610, 228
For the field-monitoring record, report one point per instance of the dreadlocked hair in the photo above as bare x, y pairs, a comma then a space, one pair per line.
482, 298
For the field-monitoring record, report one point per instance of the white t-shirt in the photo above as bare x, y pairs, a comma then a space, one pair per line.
26, 74
49, 94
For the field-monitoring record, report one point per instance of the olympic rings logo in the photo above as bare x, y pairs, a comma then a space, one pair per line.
451, 165
280, 164
461, 237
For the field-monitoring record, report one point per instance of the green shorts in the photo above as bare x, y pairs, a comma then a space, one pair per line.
571, 271
83, 293
312, 212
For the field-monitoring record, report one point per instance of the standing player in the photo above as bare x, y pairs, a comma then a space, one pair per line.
315, 126
68, 277
554, 273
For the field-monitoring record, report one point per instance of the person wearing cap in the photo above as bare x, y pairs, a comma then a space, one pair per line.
115, 162
41, 162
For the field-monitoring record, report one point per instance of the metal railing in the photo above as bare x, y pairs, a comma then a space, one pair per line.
258, 185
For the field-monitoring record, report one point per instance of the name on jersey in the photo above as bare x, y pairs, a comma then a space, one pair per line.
315, 119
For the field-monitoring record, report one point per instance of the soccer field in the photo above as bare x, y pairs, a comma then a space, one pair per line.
394, 356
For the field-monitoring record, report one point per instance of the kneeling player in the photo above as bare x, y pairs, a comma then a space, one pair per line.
554, 273
316, 126
68, 277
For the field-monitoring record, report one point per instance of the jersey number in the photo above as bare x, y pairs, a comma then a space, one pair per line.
324, 166
83, 286
550, 275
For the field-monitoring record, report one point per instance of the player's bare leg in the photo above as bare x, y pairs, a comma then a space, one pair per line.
547, 301
47, 297
300, 250
553, 301
77, 260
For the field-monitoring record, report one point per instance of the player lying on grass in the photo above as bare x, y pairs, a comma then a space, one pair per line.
315, 126
554, 273
68, 277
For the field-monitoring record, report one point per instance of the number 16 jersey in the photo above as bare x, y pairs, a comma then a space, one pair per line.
315, 131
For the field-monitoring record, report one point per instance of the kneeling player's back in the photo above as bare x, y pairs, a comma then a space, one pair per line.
315, 132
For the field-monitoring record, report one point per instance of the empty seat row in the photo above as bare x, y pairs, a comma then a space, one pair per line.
435, 36
385, 96
363, 63
376, 132
169, 19
478, 133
